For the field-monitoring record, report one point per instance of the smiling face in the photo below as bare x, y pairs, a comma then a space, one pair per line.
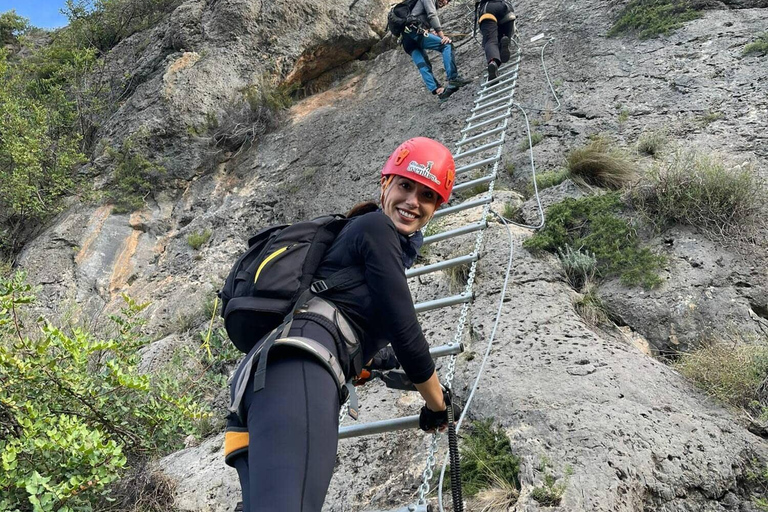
410, 205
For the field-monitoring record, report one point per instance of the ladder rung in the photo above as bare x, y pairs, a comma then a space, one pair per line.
489, 121
444, 302
479, 149
479, 163
463, 206
446, 350
503, 74
490, 104
463, 230
474, 183
497, 85
455, 262
506, 66
482, 115
494, 94
480, 136
379, 427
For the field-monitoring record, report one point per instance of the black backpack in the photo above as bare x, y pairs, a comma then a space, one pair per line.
268, 280
400, 16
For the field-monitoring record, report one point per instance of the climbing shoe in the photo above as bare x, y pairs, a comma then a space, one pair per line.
459, 82
446, 93
504, 49
493, 69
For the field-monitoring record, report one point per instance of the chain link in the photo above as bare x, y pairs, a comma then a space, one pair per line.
427, 475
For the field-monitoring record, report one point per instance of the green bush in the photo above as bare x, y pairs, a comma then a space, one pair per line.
197, 239
550, 493
700, 190
649, 18
592, 224
75, 411
11, 27
535, 139
579, 266
734, 373
135, 176
548, 179
39, 150
104, 23
758, 47
487, 459
601, 164
590, 306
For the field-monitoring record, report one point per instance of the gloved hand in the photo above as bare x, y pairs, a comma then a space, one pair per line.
429, 420
384, 360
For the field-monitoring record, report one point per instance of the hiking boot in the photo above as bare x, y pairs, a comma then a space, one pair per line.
446, 93
493, 69
239, 506
504, 49
459, 82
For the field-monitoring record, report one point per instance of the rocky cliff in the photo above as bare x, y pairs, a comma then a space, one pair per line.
629, 431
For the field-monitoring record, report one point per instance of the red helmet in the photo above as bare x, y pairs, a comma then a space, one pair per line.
424, 161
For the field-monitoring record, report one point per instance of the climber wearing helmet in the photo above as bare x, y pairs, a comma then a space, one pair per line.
496, 19
426, 33
290, 427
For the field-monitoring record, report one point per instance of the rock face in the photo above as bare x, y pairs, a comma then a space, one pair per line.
634, 434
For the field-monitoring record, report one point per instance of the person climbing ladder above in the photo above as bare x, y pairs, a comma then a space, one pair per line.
425, 32
496, 19
283, 431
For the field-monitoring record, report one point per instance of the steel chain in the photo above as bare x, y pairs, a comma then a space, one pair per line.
427, 475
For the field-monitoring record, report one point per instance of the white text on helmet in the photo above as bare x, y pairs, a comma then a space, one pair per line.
423, 170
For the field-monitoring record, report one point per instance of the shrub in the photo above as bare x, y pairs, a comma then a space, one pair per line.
75, 409
135, 176
548, 179
487, 460
651, 143
591, 223
649, 18
550, 493
579, 267
758, 47
11, 27
197, 239
734, 373
701, 190
535, 139
600, 164
257, 112
104, 23
458, 276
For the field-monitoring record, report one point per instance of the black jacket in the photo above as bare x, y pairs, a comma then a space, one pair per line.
381, 309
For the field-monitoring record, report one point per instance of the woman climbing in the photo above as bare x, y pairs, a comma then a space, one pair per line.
496, 19
283, 440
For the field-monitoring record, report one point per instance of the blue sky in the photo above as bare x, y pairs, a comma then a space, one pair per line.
41, 13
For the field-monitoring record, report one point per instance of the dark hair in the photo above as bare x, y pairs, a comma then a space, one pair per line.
362, 208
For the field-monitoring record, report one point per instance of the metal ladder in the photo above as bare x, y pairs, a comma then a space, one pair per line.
478, 156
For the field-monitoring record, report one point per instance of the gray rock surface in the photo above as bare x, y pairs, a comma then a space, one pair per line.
636, 435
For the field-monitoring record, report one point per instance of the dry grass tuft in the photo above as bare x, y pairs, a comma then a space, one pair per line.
601, 164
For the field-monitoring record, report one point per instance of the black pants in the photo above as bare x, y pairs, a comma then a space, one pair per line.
492, 31
293, 428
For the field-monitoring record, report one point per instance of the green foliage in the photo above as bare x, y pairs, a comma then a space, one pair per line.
11, 27
536, 137
733, 372
601, 164
548, 179
579, 266
39, 151
197, 239
549, 494
649, 18
591, 223
104, 23
135, 175
512, 212
74, 409
701, 190
758, 47
487, 459
709, 118
623, 115
652, 142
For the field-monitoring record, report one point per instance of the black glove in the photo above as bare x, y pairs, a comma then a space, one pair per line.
430, 421
385, 359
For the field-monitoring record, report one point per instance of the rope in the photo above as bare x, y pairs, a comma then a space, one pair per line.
485, 356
